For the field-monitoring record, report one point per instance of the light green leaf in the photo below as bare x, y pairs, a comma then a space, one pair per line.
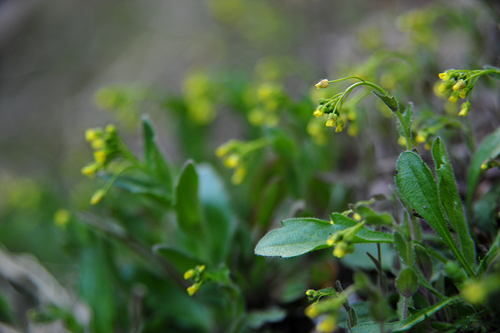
220, 220
489, 149
302, 235
451, 201
417, 185
493, 75
372, 217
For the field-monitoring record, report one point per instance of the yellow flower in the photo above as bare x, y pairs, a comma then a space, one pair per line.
330, 122
453, 98
312, 311
232, 161
201, 268
193, 289
339, 128
463, 93
90, 170
100, 156
340, 250
444, 76
97, 144
464, 111
318, 112
239, 175
97, 197
221, 151
459, 85
475, 293
61, 217
91, 135
421, 137
189, 274
322, 84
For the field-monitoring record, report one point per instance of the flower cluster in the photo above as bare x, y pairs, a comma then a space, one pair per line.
234, 155
265, 101
344, 240
104, 144
457, 84
326, 311
197, 275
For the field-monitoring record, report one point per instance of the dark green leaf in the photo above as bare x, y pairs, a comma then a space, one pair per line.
302, 235
407, 282
402, 247
154, 159
417, 185
489, 149
490, 257
391, 102
451, 201
423, 261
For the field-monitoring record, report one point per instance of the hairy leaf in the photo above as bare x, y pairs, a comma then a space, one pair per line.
302, 235
450, 198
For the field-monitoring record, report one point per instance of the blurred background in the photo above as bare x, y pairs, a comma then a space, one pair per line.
57, 56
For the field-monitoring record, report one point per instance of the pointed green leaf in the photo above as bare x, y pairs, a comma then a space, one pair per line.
490, 257
489, 149
187, 205
372, 217
402, 247
423, 261
390, 101
154, 159
417, 185
451, 201
302, 235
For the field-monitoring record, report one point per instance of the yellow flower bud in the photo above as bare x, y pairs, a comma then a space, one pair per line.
89, 170
453, 98
90, 135
318, 112
330, 122
330, 242
310, 292
459, 85
444, 76
239, 175
97, 144
110, 128
256, 117
189, 274
484, 166
97, 197
193, 289
357, 217
402, 141
221, 151
352, 130
464, 111
201, 268
232, 161
463, 93
322, 84
421, 137
340, 250
100, 156
442, 88
339, 128
312, 311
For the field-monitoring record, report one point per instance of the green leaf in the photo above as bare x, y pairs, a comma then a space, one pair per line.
220, 220
407, 282
154, 159
451, 201
404, 325
372, 217
423, 261
256, 319
391, 102
489, 258
489, 149
417, 185
302, 235
179, 259
188, 209
402, 247
97, 287
141, 186
493, 75
408, 115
